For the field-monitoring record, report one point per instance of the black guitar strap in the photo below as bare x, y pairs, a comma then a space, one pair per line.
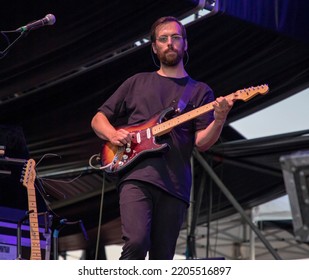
184, 99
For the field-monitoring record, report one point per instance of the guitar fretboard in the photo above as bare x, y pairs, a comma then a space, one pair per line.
28, 182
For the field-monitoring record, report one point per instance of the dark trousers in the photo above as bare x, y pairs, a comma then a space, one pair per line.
151, 220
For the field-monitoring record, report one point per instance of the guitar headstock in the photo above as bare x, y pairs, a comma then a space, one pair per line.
28, 174
248, 93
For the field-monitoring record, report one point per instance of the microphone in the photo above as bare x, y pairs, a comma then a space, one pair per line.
47, 20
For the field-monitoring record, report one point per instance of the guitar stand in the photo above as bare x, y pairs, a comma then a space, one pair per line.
19, 224
56, 232
47, 221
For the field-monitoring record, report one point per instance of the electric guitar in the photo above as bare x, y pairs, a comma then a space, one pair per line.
28, 178
115, 158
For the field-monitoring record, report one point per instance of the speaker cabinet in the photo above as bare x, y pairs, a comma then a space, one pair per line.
295, 169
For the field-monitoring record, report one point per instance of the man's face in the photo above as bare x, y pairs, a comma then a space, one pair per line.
169, 46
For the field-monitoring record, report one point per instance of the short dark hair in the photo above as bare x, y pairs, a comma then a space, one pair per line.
163, 20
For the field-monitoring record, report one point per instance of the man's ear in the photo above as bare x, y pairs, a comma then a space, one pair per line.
186, 45
154, 48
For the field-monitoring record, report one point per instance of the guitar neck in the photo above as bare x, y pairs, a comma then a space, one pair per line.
166, 126
28, 181
244, 94
34, 226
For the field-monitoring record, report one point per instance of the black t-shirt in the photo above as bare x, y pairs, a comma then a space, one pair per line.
138, 100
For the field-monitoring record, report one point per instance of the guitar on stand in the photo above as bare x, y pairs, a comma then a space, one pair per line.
28, 179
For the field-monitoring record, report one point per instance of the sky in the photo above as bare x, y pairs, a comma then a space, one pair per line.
289, 115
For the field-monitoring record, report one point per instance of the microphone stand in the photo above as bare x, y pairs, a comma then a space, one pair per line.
6, 50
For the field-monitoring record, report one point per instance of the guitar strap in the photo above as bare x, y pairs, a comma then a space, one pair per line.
184, 99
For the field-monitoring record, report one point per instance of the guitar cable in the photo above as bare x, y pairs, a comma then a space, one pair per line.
100, 218
97, 158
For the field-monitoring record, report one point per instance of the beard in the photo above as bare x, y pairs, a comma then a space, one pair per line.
170, 57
